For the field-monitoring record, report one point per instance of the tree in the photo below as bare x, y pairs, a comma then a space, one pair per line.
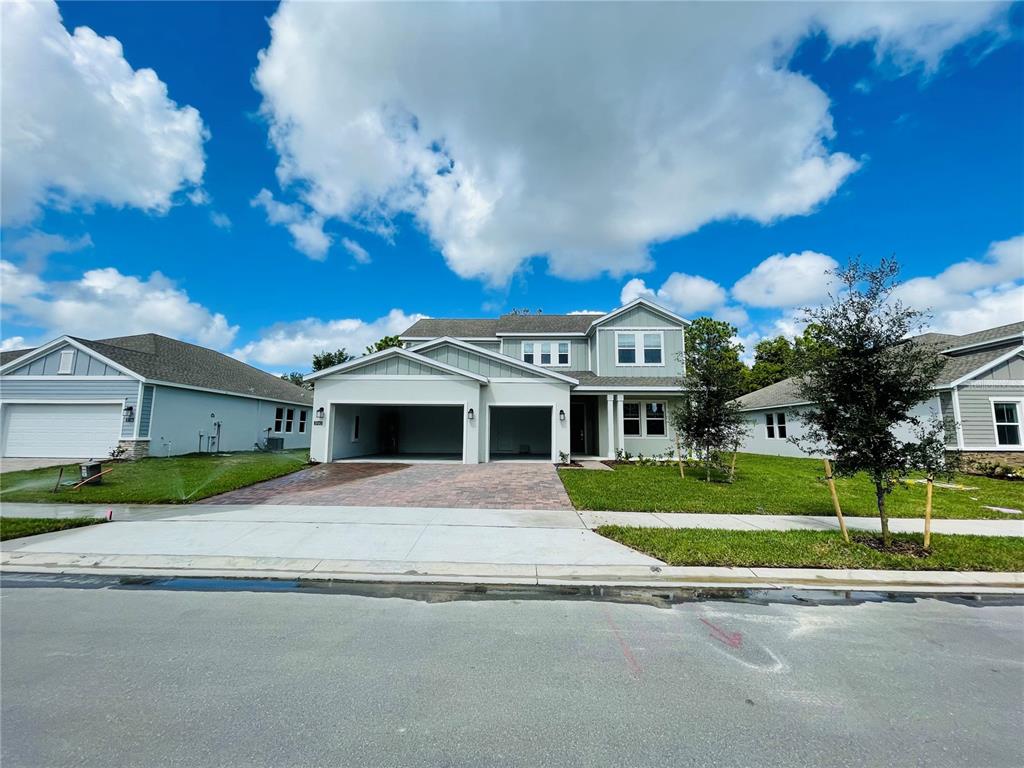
707, 418
865, 377
330, 359
386, 342
774, 360
295, 378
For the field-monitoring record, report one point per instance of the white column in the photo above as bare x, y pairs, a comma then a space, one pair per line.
620, 420
610, 419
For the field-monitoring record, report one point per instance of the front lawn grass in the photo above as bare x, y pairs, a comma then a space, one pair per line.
817, 549
775, 485
174, 480
16, 527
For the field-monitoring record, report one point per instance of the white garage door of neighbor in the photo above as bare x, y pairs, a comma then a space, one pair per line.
78, 431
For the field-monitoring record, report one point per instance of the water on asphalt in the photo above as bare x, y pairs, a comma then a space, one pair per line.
103, 672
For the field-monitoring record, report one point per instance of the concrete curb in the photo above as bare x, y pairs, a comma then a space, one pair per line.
383, 571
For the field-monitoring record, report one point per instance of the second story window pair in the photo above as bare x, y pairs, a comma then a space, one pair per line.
554, 353
652, 352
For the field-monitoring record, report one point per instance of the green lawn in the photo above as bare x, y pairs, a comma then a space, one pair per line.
175, 480
817, 549
775, 485
15, 527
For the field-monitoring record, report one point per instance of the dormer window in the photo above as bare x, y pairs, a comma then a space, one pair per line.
67, 362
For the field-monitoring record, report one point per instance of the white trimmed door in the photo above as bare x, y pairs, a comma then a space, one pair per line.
59, 430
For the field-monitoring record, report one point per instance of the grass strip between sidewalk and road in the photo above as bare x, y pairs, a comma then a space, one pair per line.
819, 549
16, 527
173, 480
780, 485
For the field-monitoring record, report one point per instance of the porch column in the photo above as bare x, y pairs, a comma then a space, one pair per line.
620, 417
610, 419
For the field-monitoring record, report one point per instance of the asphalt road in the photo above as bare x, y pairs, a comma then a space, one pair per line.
106, 676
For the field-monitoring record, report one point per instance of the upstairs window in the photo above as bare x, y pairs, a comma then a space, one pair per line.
625, 348
1007, 422
545, 353
652, 348
527, 351
775, 425
563, 353
67, 362
551, 353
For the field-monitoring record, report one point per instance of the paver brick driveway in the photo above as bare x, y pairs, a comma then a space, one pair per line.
501, 485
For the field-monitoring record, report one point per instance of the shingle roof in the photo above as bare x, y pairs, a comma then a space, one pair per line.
988, 334
590, 379
12, 354
785, 392
545, 323
461, 328
158, 358
433, 328
958, 366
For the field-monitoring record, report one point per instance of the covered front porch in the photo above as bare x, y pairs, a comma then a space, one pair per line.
604, 423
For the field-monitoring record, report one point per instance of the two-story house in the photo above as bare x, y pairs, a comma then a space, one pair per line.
516, 387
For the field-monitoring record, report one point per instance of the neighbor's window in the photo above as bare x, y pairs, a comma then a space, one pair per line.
654, 416
775, 425
302, 421
625, 348
67, 361
278, 419
545, 353
289, 419
563, 353
652, 348
528, 352
631, 418
1007, 423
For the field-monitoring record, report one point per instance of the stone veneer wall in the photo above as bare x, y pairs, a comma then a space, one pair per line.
137, 449
1013, 458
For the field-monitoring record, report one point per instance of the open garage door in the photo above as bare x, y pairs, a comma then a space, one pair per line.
519, 432
60, 430
399, 432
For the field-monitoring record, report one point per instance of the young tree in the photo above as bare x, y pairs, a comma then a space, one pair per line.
706, 418
865, 377
386, 342
330, 359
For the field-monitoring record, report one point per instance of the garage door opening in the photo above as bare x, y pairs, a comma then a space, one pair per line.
398, 432
60, 430
519, 433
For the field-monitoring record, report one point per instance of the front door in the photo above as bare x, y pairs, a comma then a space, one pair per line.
578, 428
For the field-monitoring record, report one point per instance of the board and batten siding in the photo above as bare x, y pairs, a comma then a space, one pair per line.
578, 357
479, 364
1010, 370
396, 366
49, 364
671, 366
146, 410
115, 389
977, 420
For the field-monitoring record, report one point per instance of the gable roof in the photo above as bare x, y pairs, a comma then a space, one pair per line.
777, 395
1007, 333
162, 360
432, 327
384, 354
641, 302
512, 361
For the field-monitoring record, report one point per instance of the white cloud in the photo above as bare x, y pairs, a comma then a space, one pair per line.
220, 220
38, 246
786, 281
106, 303
14, 342
358, 253
687, 295
587, 312
80, 126
306, 227
513, 131
973, 294
295, 343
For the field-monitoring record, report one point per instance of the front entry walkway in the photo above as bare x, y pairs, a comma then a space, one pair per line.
505, 485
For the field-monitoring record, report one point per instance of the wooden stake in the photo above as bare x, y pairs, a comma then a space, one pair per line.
835, 500
928, 513
679, 453
59, 478
90, 479
732, 468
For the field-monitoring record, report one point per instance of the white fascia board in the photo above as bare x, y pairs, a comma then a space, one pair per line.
990, 364
51, 345
248, 395
600, 388
399, 352
774, 407
641, 302
495, 356
549, 335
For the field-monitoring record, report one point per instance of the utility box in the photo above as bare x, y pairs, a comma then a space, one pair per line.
275, 443
91, 471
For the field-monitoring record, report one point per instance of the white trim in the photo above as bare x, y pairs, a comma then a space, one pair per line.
66, 366
548, 334
990, 364
138, 412
795, 404
957, 423
986, 343
46, 401
407, 377
994, 448
554, 425
491, 339
638, 303
69, 378
329, 419
501, 359
50, 345
620, 425
408, 355
172, 384
553, 344
644, 434
775, 425
994, 383
1019, 402
638, 389
610, 426
638, 348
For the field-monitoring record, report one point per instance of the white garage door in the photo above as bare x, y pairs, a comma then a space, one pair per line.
79, 431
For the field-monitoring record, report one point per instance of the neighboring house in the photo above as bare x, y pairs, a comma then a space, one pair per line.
149, 394
979, 397
515, 387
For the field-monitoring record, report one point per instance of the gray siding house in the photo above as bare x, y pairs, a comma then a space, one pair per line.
151, 395
514, 387
979, 397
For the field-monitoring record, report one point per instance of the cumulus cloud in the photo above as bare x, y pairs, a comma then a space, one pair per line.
511, 131
786, 281
37, 247
81, 127
356, 251
688, 296
106, 303
306, 227
294, 344
14, 342
220, 220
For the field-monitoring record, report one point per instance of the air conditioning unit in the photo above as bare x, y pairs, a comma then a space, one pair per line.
275, 443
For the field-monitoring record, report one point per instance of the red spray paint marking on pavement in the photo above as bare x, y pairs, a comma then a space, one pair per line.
732, 639
627, 652
110, 515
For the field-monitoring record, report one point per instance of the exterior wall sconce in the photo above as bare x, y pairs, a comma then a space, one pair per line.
129, 413
320, 414
470, 414
561, 415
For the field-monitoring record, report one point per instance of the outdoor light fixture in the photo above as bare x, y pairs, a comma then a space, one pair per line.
320, 413
129, 413
561, 415
470, 414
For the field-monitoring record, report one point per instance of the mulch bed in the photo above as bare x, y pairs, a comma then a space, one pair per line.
898, 546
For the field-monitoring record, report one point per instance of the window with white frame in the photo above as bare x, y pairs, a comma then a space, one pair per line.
546, 353
631, 419
1007, 415
284, 419
302, 421
528, 352
625, 348
775, 425
653, 343
67, 362
563, 353
278, 419
654, 419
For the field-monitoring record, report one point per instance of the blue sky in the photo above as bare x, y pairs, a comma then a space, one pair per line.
458, 161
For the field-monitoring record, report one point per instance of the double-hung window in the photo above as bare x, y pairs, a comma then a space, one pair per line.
546, 352
652, 348
631, 419
284, 419
528, 352
302, 421
640, 348
775, 425
1007, 415
625, 348
563, 353
278, 419
654, 419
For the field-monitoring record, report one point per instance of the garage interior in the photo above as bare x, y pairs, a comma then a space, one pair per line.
520, 433
398, 432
